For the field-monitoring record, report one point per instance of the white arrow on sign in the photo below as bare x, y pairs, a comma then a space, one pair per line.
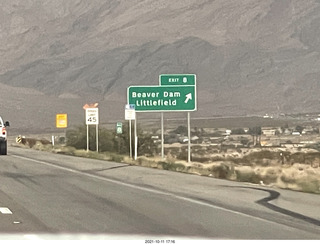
188, 97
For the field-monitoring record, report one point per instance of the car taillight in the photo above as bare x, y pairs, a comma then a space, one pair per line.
4, 131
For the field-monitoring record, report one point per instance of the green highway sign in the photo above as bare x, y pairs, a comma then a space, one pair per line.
177, 80
162, 98
119, 128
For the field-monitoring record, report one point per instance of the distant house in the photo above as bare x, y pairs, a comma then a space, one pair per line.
287, 131
227, 133
308, 130
268, 131
195, 139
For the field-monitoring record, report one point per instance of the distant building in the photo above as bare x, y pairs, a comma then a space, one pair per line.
287, 131
308, 130
268, 131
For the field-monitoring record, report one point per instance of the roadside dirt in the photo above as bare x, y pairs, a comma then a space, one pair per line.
294, 169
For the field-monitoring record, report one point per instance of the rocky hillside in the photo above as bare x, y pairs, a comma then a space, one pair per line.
250, 56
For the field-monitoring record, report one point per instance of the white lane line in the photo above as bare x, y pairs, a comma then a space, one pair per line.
5, 211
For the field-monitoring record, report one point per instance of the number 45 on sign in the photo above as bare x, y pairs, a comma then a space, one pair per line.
92, 116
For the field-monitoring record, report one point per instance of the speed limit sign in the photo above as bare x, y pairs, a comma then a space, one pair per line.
92, 116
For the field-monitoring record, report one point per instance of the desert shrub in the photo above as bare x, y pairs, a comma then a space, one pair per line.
145, 162
264, 154
173, 151
147, 146
182, 130
303, 158
247, 174
301, 181
172, 166
222, 171
77, 137
309, 184
199, 150
213, 150
62, 140
296, 158
263, 158
142, 160
116, 158
109, 141
200, 159
67, 150
288, 177
268, 174
244, 141
183, 154
31, 142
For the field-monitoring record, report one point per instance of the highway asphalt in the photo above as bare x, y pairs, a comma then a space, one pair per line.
45, 194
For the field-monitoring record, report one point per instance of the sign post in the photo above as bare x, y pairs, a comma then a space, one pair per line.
130, 114
119, 130
92, 118
178, 80
61, 122
175, 93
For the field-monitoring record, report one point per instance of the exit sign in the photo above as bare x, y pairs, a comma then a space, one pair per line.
177, 80
162, 98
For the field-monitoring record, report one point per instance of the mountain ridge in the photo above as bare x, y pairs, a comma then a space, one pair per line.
250, 57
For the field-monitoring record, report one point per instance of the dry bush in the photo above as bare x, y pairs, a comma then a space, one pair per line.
268, 175
223, 170
300, 177
247, 174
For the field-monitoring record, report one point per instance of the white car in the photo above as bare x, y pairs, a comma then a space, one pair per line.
3, 137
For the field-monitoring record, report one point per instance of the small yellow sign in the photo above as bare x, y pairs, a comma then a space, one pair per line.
61, 121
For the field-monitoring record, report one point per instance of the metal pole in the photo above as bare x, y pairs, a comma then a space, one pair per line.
97, 137
189, 139
135, 139
130, 138
65, 136
87, 138
119, 146
162, 137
